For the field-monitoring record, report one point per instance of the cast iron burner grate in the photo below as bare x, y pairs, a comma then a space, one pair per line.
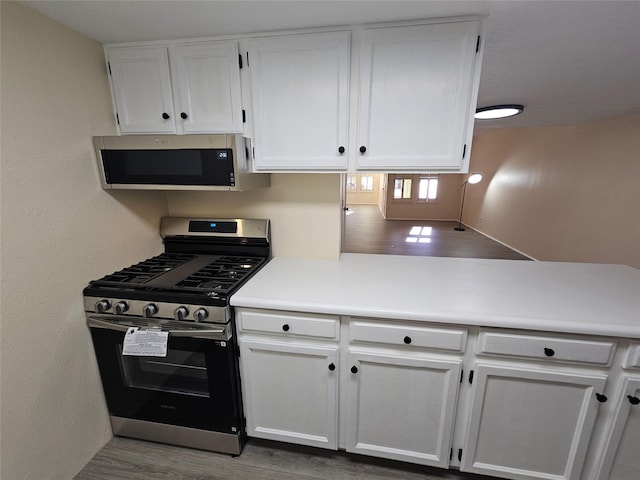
144, 271
220, 276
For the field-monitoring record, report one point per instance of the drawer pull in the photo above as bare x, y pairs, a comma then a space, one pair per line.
633, 400
354, 369
601, 398
332, 367
407, 340
285, 327
549, 352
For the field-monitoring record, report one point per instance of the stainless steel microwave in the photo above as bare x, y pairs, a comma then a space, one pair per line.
177, 162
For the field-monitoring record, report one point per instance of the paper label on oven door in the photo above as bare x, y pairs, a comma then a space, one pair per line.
145, 343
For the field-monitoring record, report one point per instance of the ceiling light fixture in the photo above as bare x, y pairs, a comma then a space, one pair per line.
498, 111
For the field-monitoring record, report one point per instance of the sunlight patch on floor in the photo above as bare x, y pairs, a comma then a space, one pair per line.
419, 234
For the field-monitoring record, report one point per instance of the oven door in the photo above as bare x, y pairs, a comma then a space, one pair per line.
196, 385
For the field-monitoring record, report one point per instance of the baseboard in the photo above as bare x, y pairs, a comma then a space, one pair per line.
500, 242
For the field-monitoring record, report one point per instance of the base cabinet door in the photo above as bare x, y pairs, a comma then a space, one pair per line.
401, 408
527, 423
621, 457
290, 391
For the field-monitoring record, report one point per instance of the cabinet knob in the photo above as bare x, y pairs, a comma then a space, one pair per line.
184, 116
363, 149
340, 149
285, 327
633, 400
165, 115
549, 352
354, 369
407, 340
332, 367
601, 398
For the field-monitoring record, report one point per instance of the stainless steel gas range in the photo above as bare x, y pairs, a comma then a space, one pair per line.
163, 334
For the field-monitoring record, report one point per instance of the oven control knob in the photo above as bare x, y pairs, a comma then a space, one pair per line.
200, 314
121, 307
150, 310
180, 313
102, 305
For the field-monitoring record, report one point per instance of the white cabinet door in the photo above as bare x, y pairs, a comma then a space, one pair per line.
401, 408
207, 88
621, 458
299, 89
418, 92
142, 89
290, 391
527, 424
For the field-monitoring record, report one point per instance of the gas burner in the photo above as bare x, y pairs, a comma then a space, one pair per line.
221, 276
144, 271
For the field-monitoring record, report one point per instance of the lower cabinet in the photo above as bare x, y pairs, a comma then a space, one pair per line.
290, 391
526, 423
401, 407
621, 457
509, 404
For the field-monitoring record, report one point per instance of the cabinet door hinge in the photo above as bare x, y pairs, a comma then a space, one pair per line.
109, 67
451, 454
459, 454
471, 377
117, 118
244, 116
464, 150
478, 44
240, 60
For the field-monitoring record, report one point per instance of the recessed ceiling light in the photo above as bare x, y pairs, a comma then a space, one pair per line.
498, 111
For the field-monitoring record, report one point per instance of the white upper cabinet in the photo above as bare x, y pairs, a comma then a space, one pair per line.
177, 89
299, 89
141, 86
207, 88
417, 95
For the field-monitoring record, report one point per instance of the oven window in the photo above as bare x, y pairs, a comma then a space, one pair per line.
180, 372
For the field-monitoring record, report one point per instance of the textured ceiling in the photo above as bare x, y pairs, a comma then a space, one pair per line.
566, 61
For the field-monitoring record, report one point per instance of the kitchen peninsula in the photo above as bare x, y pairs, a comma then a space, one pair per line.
447, 362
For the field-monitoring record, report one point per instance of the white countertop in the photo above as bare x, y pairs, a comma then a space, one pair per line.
578, 298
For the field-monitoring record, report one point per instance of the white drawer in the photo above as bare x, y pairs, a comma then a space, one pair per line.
440, 338
546, 347
285, 323
633, 357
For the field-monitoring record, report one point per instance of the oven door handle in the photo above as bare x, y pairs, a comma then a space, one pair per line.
99, 323
215, 332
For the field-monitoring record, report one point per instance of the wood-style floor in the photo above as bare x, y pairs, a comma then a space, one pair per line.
126, 459
366, 231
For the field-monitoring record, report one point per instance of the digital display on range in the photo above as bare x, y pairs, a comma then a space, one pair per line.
201, 226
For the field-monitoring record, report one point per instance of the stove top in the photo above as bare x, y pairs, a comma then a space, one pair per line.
204, 263
171, 276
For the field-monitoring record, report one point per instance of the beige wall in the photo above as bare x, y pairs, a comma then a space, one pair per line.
447, 206
561, 193
304, 210
59, 230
